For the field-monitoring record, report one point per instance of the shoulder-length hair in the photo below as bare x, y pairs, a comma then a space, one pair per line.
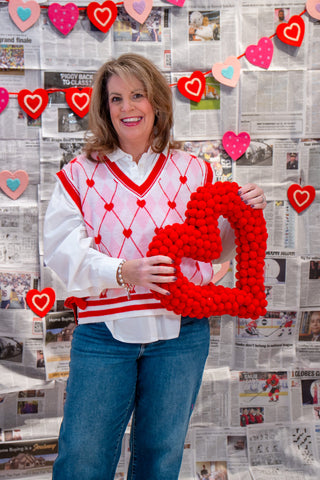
102, 137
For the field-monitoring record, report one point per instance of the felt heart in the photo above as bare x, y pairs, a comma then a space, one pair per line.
14, 184
138, 9
292, 32
192, 87
63, 17
313, 8
178, 3
33, 103
228, 72
198, 238
260, 55
4, 98
79, 100
41, 302
24, 14
235, 145
102, 16
301, 197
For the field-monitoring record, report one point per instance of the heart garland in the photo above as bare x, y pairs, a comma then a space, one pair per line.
299, 197
41, 302
313, 8
235, 145
102, 16
227, 72
79, 100
63, 17
261, 54
14, 184
33, 103
199, 238
138, 9
24, 14
292, 32
192, 87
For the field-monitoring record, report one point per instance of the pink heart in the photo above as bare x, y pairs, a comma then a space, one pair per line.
63, 17
14, 184
31, 7
313, 8
235, 145
4, 98
260, 55
139, 10
228, 72
178, 3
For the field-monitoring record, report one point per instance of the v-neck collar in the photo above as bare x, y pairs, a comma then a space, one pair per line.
142, 189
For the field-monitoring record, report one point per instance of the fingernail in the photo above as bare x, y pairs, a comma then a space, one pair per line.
168, 293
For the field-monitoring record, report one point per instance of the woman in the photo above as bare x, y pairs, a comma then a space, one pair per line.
129, 355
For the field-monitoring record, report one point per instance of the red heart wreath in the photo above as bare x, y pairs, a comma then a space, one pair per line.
199, 238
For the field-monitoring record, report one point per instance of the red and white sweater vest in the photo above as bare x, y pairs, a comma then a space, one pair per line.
121, 217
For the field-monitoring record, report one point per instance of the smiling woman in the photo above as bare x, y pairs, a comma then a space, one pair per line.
129, 353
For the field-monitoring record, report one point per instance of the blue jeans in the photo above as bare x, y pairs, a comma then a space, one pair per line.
108, 381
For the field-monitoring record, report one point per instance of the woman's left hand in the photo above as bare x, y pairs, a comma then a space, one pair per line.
253, 195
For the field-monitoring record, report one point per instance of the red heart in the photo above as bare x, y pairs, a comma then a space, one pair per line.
102, 16
127, 232
192, 87
172, 204
97, 239
301, 197
79, 100
108, 206
33, 103
183, 179
141, 203
41, 302
199, 238
292, 32
90, 182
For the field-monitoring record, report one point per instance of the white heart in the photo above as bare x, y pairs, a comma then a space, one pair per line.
289, 28
102, 10
81, 95
190, 82
301, 193
31, 97
40, 297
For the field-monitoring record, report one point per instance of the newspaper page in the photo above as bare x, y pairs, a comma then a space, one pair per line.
267, 341
84, 48
305, 394
203, 34
151, 39
310, 282
284, 451
308, 346
59, 328
19, 69
259, 397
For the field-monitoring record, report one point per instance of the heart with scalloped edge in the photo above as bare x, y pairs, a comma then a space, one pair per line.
235, 145
102, 15
33, 103
41, 302
138, 9
63, 17
261, 54
79, 100
14, 184
24, 14
198, 238
292, 32
192, 87
313, 8
299, 197
227, 72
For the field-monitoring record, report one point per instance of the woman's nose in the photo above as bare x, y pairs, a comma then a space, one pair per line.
126, 104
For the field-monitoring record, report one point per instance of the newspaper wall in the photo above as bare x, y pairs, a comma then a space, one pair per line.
258, 412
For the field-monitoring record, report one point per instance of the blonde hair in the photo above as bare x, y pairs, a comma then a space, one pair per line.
102, 137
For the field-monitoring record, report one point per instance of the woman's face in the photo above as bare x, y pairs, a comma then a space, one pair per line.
131, 112
315, 323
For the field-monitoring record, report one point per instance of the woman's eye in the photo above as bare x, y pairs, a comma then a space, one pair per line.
138, 95
115, 99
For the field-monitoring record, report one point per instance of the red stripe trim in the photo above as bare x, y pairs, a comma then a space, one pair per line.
140, 190
113, 311
70, 188
209, 173
112, 301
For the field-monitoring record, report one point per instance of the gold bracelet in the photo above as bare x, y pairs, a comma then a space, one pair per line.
121, 282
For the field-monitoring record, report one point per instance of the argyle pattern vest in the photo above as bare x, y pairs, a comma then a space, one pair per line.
121, 218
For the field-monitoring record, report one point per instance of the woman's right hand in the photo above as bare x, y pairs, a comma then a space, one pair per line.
147, 272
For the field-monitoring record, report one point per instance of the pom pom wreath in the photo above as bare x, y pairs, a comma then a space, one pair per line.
199, 238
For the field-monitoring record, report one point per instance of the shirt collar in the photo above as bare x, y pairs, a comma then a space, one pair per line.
119, 154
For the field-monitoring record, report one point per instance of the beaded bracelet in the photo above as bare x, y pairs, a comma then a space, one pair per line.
121, 282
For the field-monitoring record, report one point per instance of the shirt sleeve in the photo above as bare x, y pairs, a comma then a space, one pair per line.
68, 249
